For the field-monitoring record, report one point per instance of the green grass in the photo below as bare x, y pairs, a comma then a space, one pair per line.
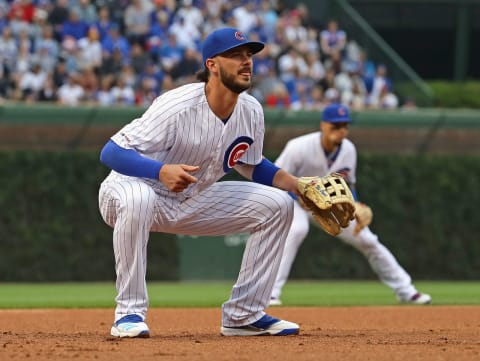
213, 294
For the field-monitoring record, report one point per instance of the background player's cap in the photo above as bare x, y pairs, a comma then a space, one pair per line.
225, 39
336, 113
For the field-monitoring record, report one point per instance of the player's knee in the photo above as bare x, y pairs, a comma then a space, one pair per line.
140, 203
365, 242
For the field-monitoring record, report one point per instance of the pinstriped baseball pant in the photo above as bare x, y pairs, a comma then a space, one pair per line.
134, 210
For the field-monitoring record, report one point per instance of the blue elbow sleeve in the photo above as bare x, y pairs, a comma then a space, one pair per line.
129, 162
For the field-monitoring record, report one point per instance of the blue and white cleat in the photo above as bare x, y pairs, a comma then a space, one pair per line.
130, 326
265, 326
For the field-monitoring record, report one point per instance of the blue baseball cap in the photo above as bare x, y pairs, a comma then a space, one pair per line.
336, 113
221, 40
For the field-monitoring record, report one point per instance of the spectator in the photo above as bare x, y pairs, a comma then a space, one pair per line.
90, 49
378, 85
170, 54
278, 98
154, 74
31, 82
74, 28
123, 94
70, 93
146, 93
137, 22
18, 24
184, 71
332, 39
43, 57
316, 70
263, 63
158, 34
47, 41
114, 40
166, 7
291, 63
48, 93
86, 12
3, 18
24, 8
187, 35
57, 17
346, 81
104, 22
89, 81
302, 99
386, 100
332, 96
191, 14
318, 100
212, 22
295, 32
268, 18
112, 64
22, 64
104, 96
128, 75
39, 23
138, 58
60, 74
8, 51
245, 16
328, 81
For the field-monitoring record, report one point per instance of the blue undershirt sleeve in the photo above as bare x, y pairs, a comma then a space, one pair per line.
354, 194
264, 172
129, 162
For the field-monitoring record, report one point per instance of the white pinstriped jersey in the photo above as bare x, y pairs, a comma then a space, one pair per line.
304, 156
180, 128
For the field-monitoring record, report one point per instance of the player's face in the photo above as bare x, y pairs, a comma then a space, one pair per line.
334, 133
235, 68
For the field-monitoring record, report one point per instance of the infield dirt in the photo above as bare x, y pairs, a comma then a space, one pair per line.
192, 334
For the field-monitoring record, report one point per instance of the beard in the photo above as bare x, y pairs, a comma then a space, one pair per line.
230, 83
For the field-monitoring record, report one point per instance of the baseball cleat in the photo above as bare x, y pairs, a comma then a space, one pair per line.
275, 302
130, 326
265, 326
420, 299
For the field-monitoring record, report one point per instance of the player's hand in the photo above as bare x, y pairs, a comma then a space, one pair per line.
177, 177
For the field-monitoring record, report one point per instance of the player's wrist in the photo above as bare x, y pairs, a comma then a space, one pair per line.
265, 172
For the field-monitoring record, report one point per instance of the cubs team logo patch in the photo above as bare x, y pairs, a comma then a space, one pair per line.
235, 151
239, 36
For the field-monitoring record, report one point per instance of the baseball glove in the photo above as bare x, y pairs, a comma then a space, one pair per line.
329, 200
363, 215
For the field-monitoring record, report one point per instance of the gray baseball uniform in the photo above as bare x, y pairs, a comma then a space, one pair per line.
180, 128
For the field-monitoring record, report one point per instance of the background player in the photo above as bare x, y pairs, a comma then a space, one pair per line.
320, 153
165, 167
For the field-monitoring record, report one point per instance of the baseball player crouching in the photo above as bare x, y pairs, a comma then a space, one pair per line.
165, 167
320, 153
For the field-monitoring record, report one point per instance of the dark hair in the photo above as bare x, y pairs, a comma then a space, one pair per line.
203, 75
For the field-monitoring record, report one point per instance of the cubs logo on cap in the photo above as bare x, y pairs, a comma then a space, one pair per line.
221, 40
336, 113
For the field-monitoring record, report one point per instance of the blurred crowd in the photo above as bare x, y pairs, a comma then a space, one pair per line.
127, 52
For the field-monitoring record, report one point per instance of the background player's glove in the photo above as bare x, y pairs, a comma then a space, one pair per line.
363, 215
330, 201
